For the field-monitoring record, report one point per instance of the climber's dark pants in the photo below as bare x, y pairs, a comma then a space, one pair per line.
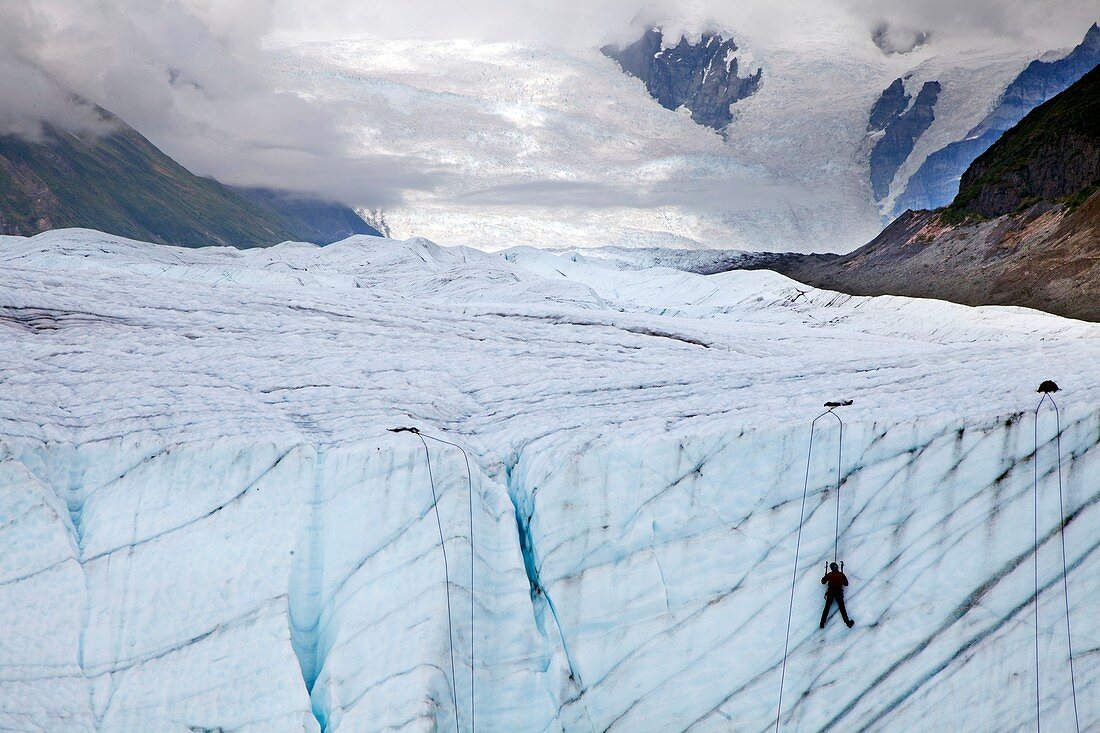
831, 596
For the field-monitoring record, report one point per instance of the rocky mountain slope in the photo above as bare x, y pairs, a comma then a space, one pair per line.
1054, 154
936, 181
311, 219
1023, 230
122, 184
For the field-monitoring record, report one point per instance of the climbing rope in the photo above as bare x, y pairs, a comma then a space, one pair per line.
1048, 389
446, 574
470, 494
839, 461
798, 538
446, 564
1035, 563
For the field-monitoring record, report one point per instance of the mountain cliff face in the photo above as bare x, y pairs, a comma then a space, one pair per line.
702, 76
122, 184
889, 106
901, 120
936, 181
1024, 229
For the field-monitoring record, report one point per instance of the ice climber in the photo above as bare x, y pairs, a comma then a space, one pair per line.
835, 582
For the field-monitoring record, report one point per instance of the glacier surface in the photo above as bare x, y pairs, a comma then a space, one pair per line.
206, 524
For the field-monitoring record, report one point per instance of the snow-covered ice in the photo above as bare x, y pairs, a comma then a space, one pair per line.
971, 87
205, 524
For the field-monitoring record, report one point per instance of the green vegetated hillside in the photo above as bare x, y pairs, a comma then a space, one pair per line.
122, 184
1023, 230
1053, 154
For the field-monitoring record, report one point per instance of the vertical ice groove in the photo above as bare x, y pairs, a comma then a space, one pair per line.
74, 500
305, 596
542, 603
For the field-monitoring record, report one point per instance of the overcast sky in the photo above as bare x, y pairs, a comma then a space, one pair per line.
1040, 23
189, 73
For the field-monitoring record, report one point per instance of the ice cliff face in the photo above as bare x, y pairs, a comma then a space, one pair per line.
206, 525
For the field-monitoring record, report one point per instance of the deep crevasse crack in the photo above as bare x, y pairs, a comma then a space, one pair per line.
542, 603
305, 597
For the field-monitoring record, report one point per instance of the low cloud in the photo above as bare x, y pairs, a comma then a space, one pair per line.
894, 39
1035, 23
190, 74
32, 99
1039, 24
732, 194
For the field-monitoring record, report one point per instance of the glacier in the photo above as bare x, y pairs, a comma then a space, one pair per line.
553, 145
207, 525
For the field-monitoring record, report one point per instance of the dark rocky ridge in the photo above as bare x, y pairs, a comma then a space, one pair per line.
122, 184
936, 181
901, 128
692, 75
889, 106
313, 220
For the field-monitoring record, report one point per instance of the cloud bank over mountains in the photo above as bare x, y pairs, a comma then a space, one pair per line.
190, 74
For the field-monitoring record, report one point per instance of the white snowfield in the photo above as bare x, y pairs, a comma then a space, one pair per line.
206, 526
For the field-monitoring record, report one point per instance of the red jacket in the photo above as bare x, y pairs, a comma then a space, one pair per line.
835, 579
